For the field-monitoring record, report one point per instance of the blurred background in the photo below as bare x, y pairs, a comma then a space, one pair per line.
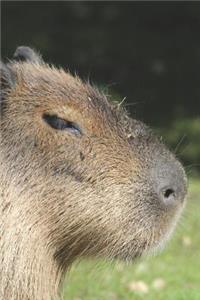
148, 52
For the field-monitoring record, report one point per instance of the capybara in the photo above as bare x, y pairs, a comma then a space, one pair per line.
78, 178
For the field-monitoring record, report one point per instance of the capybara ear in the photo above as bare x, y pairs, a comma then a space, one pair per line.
24, 53
7, 80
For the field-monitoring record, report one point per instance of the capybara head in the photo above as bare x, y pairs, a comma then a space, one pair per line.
93, 180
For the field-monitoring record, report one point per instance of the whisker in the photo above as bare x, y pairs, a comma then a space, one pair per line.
120, 103
134, 103
179, 143
184, 149
192, 165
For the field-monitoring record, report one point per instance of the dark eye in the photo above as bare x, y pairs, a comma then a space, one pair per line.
61, 124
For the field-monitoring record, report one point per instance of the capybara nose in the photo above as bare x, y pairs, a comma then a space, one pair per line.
171, 183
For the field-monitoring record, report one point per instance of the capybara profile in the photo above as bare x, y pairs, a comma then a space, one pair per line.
78, 177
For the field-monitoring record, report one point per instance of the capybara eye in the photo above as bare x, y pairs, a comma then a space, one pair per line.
60, 124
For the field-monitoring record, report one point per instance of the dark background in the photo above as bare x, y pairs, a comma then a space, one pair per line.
148, 52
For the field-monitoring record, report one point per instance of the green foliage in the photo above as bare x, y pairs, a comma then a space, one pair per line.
172, 275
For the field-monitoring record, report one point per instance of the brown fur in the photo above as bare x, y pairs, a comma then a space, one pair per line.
64, 196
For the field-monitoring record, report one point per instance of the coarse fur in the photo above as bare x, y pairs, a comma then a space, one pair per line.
66, 195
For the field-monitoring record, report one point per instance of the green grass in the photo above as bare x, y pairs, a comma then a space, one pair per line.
177, 268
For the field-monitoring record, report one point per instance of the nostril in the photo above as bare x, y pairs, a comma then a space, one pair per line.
168, 195
168, 192
169, 183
